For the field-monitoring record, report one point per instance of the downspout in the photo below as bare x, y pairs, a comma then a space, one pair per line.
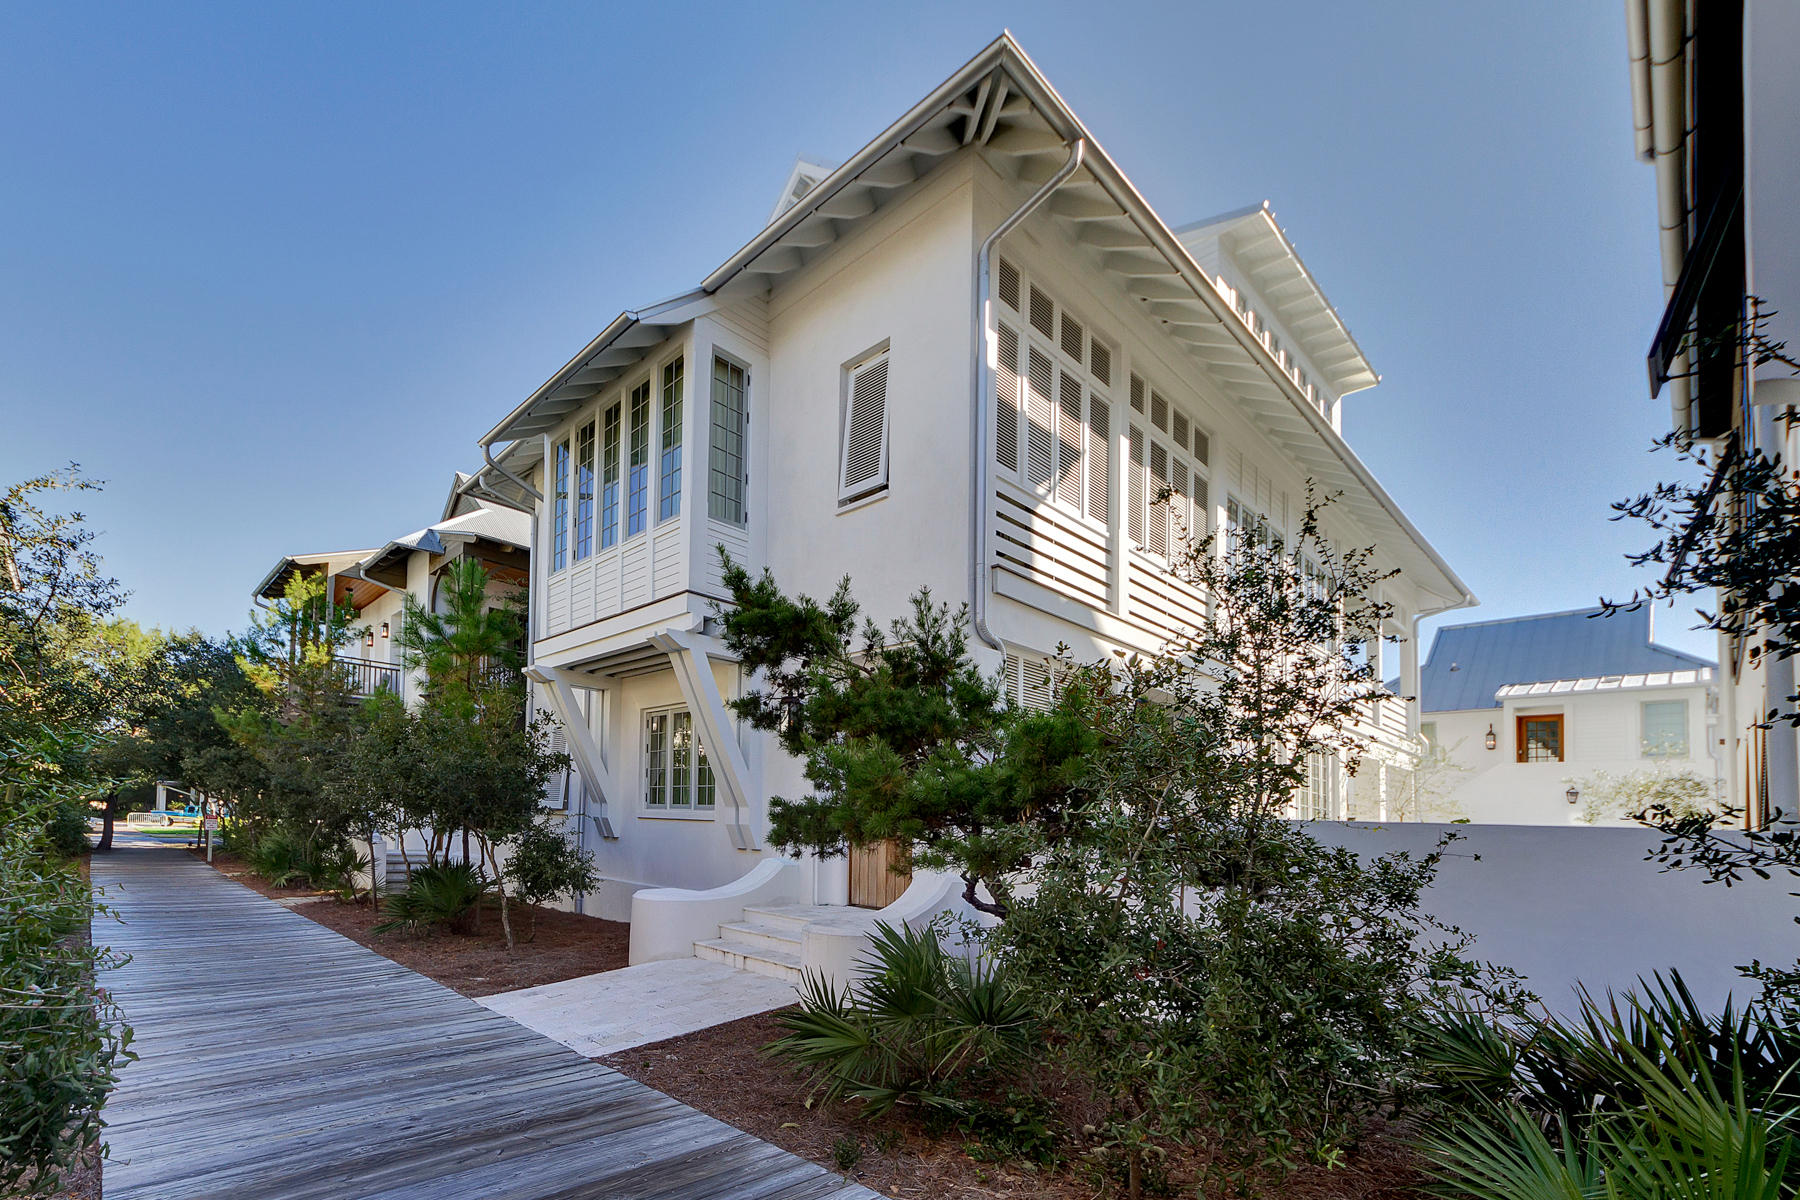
979, 382
1666, 33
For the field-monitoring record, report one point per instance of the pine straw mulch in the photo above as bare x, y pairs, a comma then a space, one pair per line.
553, 945
722, 1072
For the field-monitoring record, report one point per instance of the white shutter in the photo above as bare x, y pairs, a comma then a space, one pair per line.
1159, 512
1069, 441
1099, 456
865, 456
1006, 392
1040, 422
1134, 492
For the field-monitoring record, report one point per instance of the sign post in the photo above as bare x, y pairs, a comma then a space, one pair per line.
210, 823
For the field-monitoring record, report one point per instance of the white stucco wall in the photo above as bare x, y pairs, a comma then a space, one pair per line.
1601, 733
1568, 906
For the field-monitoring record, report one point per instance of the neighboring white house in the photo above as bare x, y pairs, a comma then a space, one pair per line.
1716, 103
967, 359
1524, 714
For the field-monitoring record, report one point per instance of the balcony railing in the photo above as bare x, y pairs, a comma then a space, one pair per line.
368, 676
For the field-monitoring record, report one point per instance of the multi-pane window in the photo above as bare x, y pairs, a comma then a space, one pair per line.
1312, 802
609, 476
677, 776
727, 473
584, 491
1051, 381
637, 477
1246, 527
1540, 738
669, 487
1665, 728
559, 537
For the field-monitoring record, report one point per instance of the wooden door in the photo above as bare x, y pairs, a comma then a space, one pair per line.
879, 872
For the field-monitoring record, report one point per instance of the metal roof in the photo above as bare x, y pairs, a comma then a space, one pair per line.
1470, 664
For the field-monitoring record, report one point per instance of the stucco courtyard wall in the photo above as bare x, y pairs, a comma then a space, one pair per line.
1569, 905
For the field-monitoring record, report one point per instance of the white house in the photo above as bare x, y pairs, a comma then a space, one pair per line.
965, 359
1525, 713
1716, 104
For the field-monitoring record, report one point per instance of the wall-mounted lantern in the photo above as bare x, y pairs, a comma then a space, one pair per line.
1573, 795
369, 638
384, 631
1492, 740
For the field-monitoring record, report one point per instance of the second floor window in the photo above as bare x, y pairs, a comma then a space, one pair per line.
584, 492
727, 471
1665, 731
669, 487
609, 476
559, 539
637, 477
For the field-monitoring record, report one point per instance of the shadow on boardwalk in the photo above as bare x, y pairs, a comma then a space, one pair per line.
280, 1061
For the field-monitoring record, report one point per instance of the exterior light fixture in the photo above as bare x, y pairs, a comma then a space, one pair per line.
1573, 794
369, 638
1492, 740
384, 631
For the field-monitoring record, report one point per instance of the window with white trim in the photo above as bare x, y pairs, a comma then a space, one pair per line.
1052, 379
609, 475
863, 458
1312, 801
559, 534
1664, 728
669, 485
728, 469
637, 479
584, 491
677, 776
1029, 681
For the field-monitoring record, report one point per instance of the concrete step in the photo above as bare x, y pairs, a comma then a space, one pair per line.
758, 960
784, 938
798, 916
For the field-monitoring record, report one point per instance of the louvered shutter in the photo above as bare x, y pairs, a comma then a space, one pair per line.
1179, 481
1043, 313
1040, 418
1202, 507
1006, 406
1159, 411
1100, 361
1134, 493
1009, 285
1181, 432
1099, 457
865, 460
1069, 442
1137, 394
1159, 513
1073, 337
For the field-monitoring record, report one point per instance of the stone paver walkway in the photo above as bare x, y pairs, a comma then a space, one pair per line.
280, 1061
616, 1010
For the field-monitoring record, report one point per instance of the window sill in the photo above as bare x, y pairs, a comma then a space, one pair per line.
880, 493
663, 814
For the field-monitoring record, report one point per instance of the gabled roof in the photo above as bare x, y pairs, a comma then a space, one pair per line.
1000, 102
1260, 248
505, 526
274, 584
805, 176
1469, 664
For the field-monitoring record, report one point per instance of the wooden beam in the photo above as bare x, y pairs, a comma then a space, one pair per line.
692, 661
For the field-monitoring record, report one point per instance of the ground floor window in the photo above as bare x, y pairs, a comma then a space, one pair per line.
677, 777
1313, 801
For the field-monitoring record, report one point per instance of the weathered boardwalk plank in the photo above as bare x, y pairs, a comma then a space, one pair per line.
280, 1061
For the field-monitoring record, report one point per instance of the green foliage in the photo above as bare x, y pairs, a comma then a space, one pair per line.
846, 1152
287, 859
66, 830
467, 648
545, 864
61, 1041
901, 732
1638, 1099
922, 1028
441, 895
1019, 1126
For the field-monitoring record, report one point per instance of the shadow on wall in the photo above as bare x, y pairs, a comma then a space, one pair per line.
1580, 905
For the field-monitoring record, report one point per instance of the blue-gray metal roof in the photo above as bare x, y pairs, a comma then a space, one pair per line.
1469, 663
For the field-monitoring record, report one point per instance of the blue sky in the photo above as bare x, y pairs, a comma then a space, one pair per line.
269, 270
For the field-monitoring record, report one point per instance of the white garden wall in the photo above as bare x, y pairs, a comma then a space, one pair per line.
1580, 905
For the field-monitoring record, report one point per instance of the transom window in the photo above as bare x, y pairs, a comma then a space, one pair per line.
1665, 728
1540, 738
677, 776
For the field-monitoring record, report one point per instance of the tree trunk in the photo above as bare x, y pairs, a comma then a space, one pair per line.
500, 886
108, 815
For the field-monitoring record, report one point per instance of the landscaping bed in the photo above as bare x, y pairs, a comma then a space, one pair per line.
722, 1072
564, 945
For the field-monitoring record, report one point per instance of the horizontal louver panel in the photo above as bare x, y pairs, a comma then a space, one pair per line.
1006, 388
865, 434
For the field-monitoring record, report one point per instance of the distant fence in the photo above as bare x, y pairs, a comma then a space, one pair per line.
1565, 905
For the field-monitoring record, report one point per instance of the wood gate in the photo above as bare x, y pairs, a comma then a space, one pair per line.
879, 872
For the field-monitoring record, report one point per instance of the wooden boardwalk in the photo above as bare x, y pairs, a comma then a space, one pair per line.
280, 1061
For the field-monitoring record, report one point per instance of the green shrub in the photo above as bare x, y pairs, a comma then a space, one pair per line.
923, 1027
67, 829
1640, 1098
286, 859
442, 894
544, 864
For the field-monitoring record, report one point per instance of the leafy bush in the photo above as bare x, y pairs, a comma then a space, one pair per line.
287, 859
66, 830
923, 1027
1642, 1097
545, 864
442, 894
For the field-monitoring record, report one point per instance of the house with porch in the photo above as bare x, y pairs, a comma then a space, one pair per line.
969, 358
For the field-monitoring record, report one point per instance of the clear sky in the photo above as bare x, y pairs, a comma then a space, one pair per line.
269, 270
